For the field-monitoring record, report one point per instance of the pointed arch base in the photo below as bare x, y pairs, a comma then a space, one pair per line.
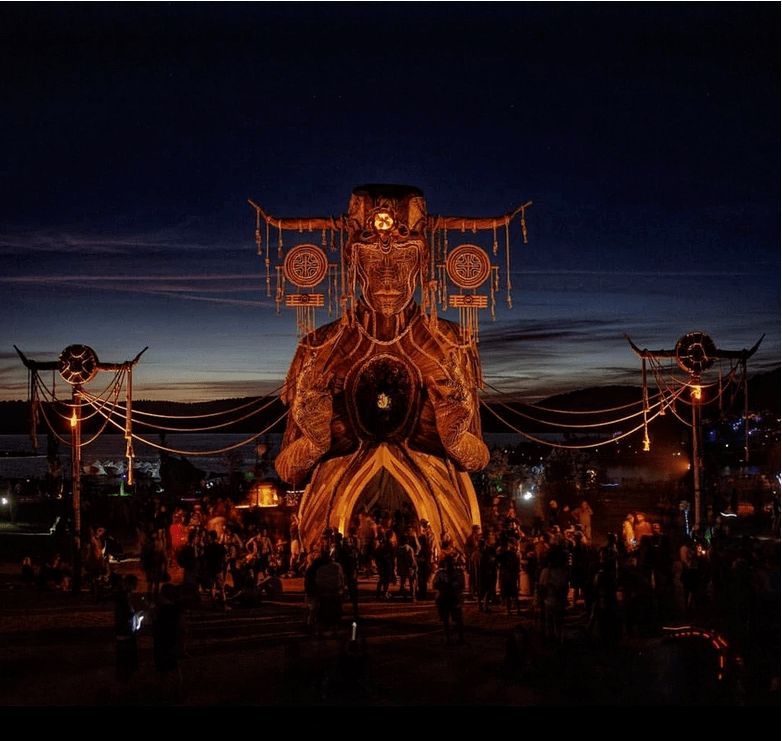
438, 491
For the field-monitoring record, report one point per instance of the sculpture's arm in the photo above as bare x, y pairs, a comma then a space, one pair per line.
455, 400
308, 434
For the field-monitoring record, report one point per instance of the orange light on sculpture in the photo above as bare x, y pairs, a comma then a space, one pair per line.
696, 393
647, 444
74, 419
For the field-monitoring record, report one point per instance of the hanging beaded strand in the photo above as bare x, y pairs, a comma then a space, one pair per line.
342, 276
507, 263
444, 281
259, 251
494, 286
268, 263
279, 298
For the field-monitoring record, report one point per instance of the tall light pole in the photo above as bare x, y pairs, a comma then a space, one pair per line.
78, 365
694, 354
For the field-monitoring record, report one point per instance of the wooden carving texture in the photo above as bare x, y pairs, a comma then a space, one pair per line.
386, 386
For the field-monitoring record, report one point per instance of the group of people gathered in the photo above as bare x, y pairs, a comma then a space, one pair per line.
636, 580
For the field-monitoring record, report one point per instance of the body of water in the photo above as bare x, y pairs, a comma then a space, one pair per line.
202, 450
16, 461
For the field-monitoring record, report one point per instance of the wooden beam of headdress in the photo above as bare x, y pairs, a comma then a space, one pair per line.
434, 222
470, 223
299, 224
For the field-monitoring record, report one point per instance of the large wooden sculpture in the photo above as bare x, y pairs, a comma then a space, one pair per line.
388, 389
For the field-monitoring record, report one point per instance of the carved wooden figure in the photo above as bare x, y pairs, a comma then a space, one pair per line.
388, 389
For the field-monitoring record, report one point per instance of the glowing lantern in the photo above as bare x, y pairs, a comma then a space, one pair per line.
264, 494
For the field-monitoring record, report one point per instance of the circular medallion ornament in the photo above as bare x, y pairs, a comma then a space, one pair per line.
77, 364
305, 265
468, 266
695, 352
382, 398
383, 221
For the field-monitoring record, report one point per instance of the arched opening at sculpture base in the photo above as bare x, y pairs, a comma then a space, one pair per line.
388, 477
385, 498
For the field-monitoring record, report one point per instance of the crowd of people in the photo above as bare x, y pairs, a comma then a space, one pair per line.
635, 581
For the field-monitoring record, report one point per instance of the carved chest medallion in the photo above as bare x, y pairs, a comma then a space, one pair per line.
383, 397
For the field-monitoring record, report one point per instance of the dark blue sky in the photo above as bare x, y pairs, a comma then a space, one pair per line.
646, 134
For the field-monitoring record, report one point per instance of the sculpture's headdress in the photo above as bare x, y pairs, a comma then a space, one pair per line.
384, 212
388, 214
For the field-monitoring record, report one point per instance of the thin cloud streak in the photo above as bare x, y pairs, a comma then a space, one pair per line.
124, 285
122, 279
62, 239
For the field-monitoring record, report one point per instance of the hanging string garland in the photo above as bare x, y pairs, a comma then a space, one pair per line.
120, 413
32, 395
691, 390
551, 444
106, 406
573, 425
647, 444
66, 419
216, 451
268, 398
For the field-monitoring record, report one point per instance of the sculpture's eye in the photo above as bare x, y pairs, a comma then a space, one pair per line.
402, 230
367, 235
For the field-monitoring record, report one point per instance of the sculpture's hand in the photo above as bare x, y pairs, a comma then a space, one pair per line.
312, 406
454, 402
311, 411
452, 396
453, 408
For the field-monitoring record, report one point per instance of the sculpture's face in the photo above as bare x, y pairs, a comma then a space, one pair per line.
388, 262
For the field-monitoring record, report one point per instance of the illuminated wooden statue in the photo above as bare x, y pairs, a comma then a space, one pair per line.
388, 387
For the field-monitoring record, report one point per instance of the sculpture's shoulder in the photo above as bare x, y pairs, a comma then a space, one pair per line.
318, 340
448, 335
322, 335
312, 352
447, 330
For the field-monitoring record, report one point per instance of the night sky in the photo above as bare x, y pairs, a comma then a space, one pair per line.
646, 135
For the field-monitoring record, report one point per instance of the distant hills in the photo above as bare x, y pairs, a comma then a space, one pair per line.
255, 414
